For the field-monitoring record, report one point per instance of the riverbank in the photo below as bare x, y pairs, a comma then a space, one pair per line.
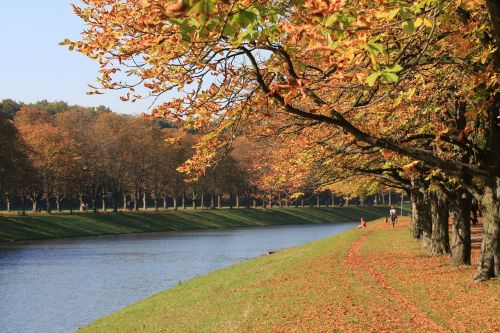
43, 226
372, 280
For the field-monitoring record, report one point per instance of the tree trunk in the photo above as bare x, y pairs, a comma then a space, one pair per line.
7, 202
254, 203
302, 203
317, 201
136, 204
175, 203
460, 243
286, 201
23, 206
104, 204
440, 242
415, 227
390, 197
183, 201
124, 202
202, 200
237, 201
144, 201
424, 219
489, 261
219, 202
47, 204
81, 202
94, 207
34, 205
164, 202
194, 203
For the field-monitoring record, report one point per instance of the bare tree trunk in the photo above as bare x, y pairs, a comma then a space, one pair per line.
460, 243
144, 201
237, 201
440, 242
219, 202
124, 202
164, 202
489, 261
47, 204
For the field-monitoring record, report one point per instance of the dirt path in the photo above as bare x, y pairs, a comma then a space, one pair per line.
362, 270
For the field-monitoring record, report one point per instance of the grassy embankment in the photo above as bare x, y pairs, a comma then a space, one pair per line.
371, 280
88, 224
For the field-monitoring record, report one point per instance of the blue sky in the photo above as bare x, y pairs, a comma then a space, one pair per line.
35, 67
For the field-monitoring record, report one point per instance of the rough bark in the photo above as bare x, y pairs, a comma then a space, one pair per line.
415, 227
440, 240
460, 242
489, 261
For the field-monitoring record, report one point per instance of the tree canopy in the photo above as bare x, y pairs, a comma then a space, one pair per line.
416, 81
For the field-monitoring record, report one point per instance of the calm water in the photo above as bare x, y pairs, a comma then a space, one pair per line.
60, 285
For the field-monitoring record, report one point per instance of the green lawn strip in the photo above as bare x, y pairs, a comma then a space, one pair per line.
88, 224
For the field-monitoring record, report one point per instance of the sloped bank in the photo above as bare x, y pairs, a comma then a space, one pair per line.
31, 227
370, 280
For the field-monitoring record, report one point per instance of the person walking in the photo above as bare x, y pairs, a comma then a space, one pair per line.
393, 215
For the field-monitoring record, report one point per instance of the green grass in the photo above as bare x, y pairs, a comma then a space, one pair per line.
77, 225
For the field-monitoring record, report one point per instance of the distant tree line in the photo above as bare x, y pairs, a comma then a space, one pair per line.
56, 156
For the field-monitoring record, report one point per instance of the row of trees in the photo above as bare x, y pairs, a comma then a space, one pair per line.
55, 155
405, 90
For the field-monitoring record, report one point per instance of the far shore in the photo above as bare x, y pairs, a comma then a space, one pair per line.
64, 225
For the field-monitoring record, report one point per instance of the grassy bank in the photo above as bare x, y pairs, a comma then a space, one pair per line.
88, 224
371, 280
